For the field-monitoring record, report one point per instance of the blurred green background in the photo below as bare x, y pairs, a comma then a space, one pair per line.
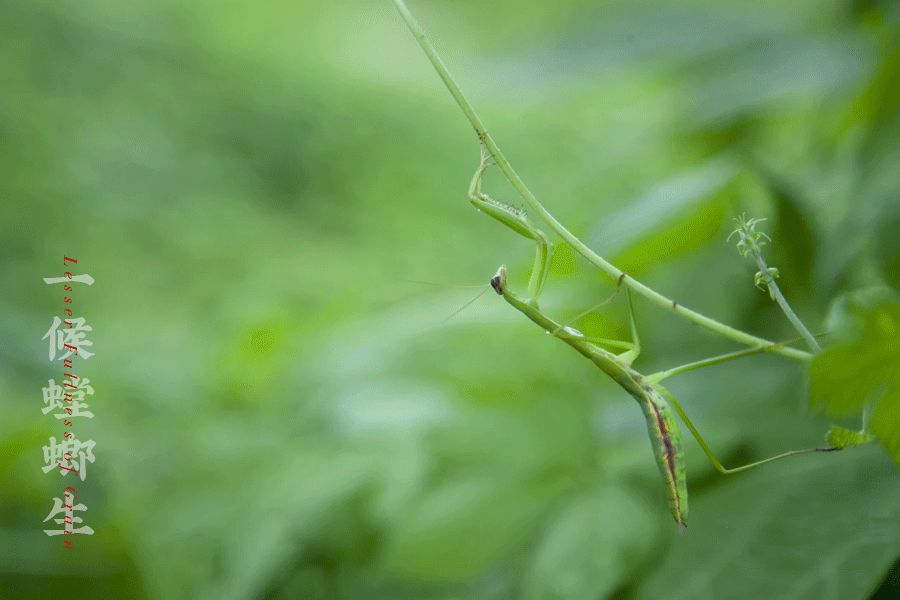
282, 411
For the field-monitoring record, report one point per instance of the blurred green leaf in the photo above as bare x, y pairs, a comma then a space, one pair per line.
563, 263
825, 526
887, 243
465, 526
795, 240
599, 539
864, 371
841, 437
671, 218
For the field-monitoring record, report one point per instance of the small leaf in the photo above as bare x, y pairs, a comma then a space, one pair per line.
761, 281
841, 437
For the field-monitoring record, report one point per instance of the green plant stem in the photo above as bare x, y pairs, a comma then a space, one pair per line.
536, 207
711, 455
778, 297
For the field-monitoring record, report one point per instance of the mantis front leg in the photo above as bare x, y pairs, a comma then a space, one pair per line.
516, 219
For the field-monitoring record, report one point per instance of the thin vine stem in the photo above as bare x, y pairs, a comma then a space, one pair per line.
536, 207
778, 297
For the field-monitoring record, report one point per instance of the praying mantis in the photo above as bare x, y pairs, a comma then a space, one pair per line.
656, 402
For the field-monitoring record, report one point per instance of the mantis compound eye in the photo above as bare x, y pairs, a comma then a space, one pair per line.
498, 281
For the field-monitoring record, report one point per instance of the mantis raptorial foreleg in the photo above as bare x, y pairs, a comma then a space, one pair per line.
516, 219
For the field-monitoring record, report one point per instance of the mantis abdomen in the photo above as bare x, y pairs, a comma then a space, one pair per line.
665, 438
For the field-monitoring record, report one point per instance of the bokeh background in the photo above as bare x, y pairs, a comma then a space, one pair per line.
283, 408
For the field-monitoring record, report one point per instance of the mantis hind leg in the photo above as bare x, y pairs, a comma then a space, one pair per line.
711, 455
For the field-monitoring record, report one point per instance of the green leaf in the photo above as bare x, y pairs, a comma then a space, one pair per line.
841, 437
796, 239
464, 527
597, 541
888, 246
824, 526
864, 371
671, 218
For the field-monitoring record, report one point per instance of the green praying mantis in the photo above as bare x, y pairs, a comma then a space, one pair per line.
656, 402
